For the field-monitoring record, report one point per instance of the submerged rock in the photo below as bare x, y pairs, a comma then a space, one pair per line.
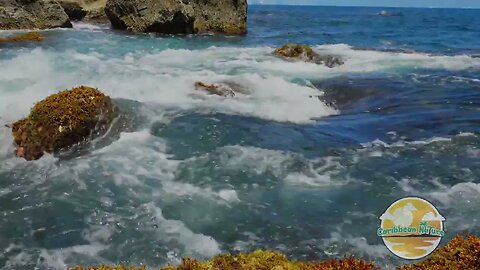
224, 89
30, 36
178, 17
32, 14
215, 89
62, 120
299, 52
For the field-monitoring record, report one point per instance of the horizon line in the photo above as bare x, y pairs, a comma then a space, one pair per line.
315, 5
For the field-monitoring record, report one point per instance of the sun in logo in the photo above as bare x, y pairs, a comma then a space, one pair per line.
411, 228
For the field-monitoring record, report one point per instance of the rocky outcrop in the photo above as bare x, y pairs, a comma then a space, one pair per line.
30, 36
92, 11
220, 16
62, 120
32, 14
298, 52
74, 10
178, 16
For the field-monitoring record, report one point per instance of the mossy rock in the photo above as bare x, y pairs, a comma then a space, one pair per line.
63, 120
299, 52
30, 36
268, 260
459, 254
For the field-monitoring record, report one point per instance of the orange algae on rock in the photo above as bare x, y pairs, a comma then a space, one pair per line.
268, 260
106, 267
62, 120
30, 36
300, 52
459, 254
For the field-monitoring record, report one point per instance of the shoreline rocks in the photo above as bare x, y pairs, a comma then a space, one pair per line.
32, 14
299, 52
178, 17
74, 10
62, 120
92, 11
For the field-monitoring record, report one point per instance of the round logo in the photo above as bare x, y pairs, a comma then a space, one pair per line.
411, 228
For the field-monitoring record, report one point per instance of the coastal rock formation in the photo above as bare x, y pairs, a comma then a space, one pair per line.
30, 36
178, 17
74, 10
87, 10
32, 14
298, 52
62, 120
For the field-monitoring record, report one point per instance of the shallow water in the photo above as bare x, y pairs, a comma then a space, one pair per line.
183, 174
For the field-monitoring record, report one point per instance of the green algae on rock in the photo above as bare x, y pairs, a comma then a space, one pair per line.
30, 36
62, 120
299, 52
268, 260
459, 254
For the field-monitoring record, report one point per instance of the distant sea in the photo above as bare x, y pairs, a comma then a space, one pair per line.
305, 164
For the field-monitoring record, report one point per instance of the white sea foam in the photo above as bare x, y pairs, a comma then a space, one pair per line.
196, 244
83, 26
167, 77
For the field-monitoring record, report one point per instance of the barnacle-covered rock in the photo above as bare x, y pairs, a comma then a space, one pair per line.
299, 52
30, 36
459, 254
63, 120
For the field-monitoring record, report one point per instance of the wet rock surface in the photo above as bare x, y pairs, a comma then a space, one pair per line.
299, 52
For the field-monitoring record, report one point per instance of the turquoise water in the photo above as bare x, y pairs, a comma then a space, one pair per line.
182, 174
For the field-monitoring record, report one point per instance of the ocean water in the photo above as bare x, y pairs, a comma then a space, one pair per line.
304, 164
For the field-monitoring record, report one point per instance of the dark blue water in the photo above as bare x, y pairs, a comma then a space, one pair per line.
304, 164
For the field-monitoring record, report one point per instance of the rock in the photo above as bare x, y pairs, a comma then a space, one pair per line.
97, 15
298, 52
30, 36
215, 89
92, 11
178, 16
63, 120
220, 16
74, 10
32, 14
